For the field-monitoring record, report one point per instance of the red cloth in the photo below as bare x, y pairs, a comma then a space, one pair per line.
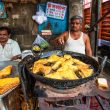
94, 104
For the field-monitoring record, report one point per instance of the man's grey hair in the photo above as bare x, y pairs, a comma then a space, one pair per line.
77, 17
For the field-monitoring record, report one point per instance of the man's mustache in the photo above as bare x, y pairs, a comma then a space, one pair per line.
1, 38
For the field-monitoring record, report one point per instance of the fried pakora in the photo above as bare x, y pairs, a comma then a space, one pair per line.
62, 67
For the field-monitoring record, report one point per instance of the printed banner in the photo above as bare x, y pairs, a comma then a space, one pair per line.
55, 10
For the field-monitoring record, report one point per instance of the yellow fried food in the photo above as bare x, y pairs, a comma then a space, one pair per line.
53, 58
41, 68
78, 62
66, 56
37, 67
68, 74
8, 83
55, 75
5, 71
62, 59
46, 69
62, 67
74, 68
56, 65
67, 62
86, 72
41, 61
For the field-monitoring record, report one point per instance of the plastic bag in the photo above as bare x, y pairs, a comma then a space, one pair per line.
40, 16
40, 43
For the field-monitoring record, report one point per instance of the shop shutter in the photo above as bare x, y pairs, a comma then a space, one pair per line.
105, 26
104, 32
86, 18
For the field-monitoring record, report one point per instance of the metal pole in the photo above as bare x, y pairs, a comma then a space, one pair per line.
95, 15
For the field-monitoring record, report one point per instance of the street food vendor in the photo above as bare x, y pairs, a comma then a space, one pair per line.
75, 40
9, 49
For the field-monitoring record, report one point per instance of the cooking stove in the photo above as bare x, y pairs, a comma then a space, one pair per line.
77, 98
58, 98
86, 89
50, 98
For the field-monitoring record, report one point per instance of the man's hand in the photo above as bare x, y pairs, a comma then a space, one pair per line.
15, 57
61, 40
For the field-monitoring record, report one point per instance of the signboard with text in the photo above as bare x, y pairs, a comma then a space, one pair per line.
55, 10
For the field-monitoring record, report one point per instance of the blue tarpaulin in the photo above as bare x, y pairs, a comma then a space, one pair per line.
2, 10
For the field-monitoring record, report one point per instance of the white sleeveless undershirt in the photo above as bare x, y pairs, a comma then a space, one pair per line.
75, 45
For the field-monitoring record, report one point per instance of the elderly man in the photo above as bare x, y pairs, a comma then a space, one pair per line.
9, 49
74, 39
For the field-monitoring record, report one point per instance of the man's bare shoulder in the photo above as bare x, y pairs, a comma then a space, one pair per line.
85, 36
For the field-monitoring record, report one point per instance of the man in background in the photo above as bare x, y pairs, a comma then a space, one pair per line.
9, 49
74, 39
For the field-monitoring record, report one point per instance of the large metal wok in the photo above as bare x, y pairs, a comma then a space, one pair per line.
64, 84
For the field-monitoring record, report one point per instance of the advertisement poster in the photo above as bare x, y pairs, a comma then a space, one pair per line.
55, 10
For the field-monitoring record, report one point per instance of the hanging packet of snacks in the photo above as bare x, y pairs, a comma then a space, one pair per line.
40, 43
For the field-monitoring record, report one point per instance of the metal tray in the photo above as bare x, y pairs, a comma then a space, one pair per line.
14, 69
13, 74
9, 91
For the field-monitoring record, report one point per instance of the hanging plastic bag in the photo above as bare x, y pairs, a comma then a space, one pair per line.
40, 16
40, 44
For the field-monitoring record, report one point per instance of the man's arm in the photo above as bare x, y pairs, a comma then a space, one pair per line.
16, 57
16, 51
60, 39
88, 46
